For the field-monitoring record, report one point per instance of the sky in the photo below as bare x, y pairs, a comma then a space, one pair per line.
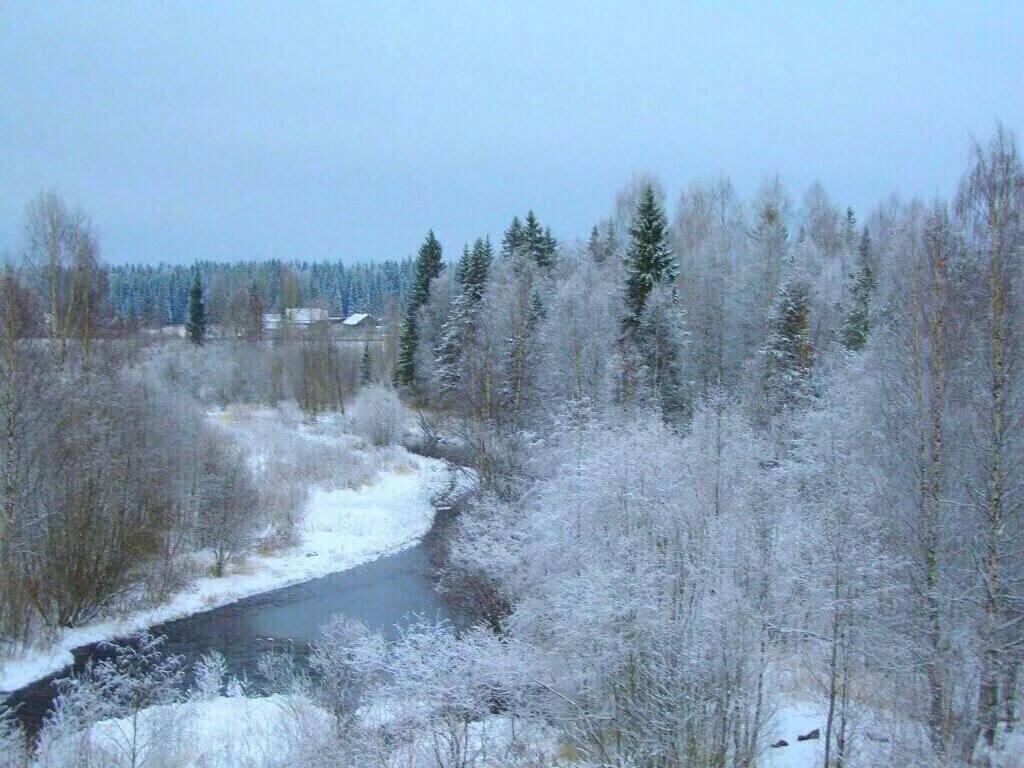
344, 130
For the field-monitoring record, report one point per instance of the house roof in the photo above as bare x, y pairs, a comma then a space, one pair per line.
355, 319
306, 315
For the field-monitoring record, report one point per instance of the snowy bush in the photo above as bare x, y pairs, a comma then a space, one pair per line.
377, 415
209, 674
13, 747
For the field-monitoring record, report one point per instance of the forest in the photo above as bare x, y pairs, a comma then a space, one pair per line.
724, 461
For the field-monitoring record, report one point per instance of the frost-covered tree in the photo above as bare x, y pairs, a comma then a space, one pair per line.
652, 326
427, 268
456, 359
990, 206
789, 351
858, 317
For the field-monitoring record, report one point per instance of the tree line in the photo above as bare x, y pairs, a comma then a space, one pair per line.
759, 448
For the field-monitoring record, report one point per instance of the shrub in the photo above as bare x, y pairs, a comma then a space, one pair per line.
376, 415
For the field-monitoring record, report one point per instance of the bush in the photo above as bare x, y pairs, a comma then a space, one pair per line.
377, 415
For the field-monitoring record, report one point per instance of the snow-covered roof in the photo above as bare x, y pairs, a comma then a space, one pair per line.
355, 319
306, 315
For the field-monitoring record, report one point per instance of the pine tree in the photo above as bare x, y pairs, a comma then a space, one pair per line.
858, 319
255, 313
408, 341
850, 229
538, 242
512, 241
480, 267
459, 331
196, 326
595, 248
789, 351
652, 330
428, 266
611, 241
533, 235
545, 257
649, 261
366, 366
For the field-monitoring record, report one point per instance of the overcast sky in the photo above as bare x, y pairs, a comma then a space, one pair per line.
236, 130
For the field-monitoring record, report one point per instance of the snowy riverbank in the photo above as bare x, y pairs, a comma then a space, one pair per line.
342, 528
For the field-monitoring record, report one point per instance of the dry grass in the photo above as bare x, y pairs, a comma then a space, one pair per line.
291, 454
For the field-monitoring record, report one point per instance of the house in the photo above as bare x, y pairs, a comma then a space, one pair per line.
360, 320
301, 317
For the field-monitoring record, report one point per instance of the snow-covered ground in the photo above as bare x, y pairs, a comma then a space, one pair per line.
272, 731
222, 732
789, 723
342, 528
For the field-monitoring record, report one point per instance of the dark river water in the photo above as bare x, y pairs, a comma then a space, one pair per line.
386, 594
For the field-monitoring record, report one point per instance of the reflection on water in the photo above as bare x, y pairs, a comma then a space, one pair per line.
386, 594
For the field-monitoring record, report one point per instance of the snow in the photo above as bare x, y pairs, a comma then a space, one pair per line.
217, 733
792, 720
343, 528
355, 319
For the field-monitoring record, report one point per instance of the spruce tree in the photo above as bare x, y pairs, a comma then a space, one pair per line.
475, 279
595, 248
255, 313
538, 242
428, 266
512, 240
611, 241
789, 353
545, 257
649, 260
408, 340
459, 331
858, 319
850, 229
366, 366
196, 326
652, 328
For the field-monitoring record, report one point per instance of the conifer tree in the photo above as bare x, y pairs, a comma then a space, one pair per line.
858, 319
850, 229
475, 278
196, 326
595, 248
366, 366
533, 234
649, 260
653, 333
611, 241
428, 266
459, 331
546, 255
538, 242
512, 240
255, 313
789, 351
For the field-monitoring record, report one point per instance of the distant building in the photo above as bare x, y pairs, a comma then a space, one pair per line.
360, 320
302, 317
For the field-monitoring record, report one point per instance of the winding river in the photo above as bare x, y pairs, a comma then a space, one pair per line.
386, 594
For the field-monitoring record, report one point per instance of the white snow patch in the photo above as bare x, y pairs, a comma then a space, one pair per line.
791, 721
217, 733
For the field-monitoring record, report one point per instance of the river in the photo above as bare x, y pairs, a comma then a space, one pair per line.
386, 594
